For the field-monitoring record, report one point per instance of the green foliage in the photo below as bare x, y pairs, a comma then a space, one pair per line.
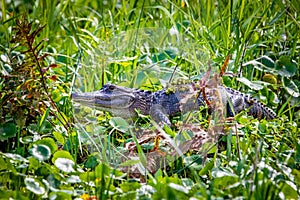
119, 124
48, 48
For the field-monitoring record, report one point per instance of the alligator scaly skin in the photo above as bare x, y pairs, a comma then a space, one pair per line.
165, 103
242, 101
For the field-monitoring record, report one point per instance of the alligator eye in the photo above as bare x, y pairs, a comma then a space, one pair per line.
111, 87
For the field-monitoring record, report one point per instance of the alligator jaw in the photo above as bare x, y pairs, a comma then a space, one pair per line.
117, 100
102, 101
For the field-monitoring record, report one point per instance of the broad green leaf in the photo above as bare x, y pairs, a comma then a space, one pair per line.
59, 137
102, 170
144, 191
262, 127
296, 174
187, 182
40, 152
130, 186
141, 79
267, 62
217, 173
73, 179
60, 195
34, 164
3, 164
48, 142
251, 84
27, 139
290, 87
242, 119
65, 164
88, 176
119, 123
289, 189
286, 67
16, 157
223, 179
62, 154
178, 187
194, 161
91, 162
158, 173
7, 130
165, 55
34, 186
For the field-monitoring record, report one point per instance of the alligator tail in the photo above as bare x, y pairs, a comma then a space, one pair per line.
239, 102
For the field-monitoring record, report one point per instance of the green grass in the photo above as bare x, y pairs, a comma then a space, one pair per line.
49, 150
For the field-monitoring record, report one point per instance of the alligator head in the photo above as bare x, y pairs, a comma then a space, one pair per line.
114, 99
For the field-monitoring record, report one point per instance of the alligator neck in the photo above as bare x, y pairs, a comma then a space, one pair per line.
143, 101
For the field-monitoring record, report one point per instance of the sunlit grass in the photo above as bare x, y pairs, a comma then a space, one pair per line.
95, 42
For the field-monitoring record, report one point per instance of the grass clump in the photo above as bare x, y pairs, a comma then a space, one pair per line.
49, 49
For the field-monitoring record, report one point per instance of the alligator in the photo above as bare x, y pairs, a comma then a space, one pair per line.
170, 101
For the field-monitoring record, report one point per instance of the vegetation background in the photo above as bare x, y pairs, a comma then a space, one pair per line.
50, 48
